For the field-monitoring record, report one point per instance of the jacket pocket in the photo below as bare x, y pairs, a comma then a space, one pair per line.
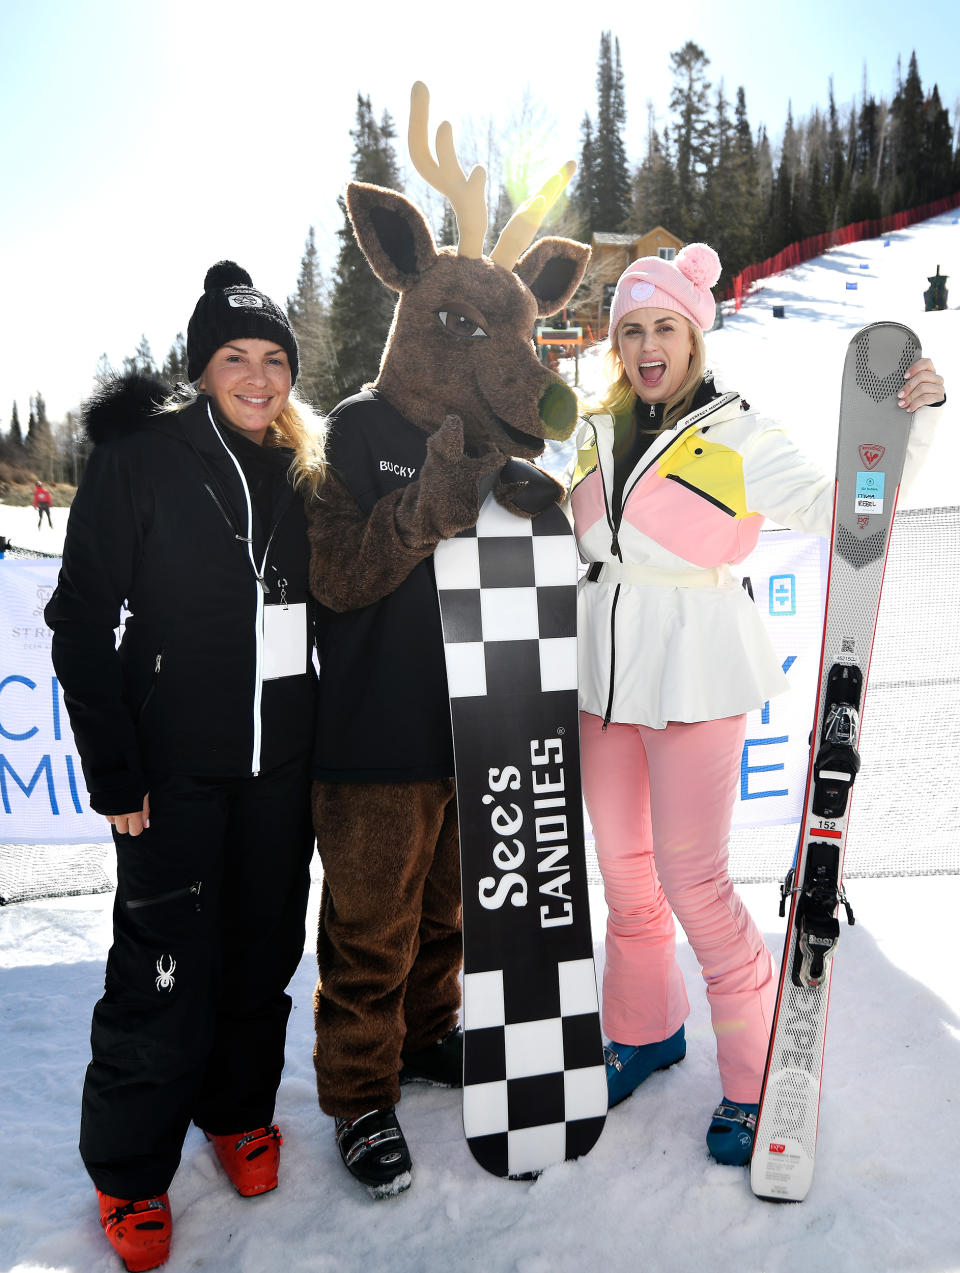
684, 520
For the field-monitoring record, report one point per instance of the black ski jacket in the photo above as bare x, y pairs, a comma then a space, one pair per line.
385, 713
176, 517
384, 709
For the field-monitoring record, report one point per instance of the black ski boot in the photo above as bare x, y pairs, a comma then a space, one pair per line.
440, 1063
374, 1150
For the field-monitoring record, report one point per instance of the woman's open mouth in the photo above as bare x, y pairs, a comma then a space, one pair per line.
651, 373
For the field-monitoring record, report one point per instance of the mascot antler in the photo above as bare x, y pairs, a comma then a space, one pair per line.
520, 230
466, 194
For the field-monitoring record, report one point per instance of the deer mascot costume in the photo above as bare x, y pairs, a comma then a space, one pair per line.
460, 400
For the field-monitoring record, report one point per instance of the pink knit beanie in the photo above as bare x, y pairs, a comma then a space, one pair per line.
682, 284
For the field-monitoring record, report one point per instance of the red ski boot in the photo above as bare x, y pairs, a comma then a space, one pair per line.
139, 1230
250, 1159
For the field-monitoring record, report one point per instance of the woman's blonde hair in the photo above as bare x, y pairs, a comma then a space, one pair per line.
620, 396
297, 427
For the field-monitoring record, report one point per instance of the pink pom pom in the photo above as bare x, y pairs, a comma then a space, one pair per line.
700, 264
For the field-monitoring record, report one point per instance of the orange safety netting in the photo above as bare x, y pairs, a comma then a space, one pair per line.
817, 244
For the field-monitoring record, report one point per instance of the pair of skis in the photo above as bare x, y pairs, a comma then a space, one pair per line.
871, 450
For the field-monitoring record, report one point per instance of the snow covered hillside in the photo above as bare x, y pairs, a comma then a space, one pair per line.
648, 1198
789, 368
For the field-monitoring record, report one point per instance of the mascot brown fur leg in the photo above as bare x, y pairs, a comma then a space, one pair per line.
389, 942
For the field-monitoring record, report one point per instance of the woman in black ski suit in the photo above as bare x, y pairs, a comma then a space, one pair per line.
195, 738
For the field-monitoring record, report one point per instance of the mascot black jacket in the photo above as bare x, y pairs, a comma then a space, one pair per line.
161, 523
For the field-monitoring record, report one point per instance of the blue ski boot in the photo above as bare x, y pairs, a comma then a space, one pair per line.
628, 1065
730, 1134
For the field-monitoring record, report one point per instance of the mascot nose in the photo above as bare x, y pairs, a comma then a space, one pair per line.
558, 411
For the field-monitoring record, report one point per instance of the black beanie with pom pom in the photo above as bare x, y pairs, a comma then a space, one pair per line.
231, 308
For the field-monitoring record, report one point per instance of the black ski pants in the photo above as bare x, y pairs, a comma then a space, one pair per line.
208, 930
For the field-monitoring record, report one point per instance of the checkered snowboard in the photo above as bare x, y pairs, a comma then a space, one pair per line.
534, 1086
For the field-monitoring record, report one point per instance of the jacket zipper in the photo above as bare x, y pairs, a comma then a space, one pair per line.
711, 499
192, 890
153, 685
262, 589
613, 656
223, 512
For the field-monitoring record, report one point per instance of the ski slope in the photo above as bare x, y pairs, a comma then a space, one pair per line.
648, 1197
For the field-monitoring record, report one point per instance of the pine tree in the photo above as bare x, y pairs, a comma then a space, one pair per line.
907, 139
141, 363
763, 230
310, 321
749, 184
784, 207
690, 103
814, 216
174, 369
15, 436
835, 171
937, 167
361, 308
584, 192
868, 137
601, 198
502, 213
611, 173
730, 206
39, 444
655, 200
448, 236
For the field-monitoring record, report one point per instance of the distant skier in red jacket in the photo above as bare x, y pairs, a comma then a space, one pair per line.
42, 502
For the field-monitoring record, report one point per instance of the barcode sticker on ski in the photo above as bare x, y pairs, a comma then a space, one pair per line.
869, 498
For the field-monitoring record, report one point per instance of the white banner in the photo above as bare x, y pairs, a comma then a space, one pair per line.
42, 795
787, 576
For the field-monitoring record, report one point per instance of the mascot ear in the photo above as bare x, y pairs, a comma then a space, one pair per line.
392, 233
552, 269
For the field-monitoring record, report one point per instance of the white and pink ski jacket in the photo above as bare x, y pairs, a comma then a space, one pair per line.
666, 633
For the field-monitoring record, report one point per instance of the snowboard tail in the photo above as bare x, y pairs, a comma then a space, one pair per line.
534, 1081
871, 450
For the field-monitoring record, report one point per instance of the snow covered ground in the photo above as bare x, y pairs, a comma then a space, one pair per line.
648, 1197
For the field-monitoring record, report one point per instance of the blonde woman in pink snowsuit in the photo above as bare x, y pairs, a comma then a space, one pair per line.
673, 481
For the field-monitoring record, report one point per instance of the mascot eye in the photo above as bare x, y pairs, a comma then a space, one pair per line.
459, 324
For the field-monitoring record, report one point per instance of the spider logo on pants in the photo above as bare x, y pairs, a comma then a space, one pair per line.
165, 979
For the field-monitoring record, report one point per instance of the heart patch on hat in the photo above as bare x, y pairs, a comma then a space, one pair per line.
642, 291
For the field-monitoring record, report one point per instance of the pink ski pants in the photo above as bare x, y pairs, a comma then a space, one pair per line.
661, 801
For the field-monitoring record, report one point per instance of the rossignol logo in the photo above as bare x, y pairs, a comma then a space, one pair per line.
871, 453
401, 470
552, 868
776, 1148
243, 300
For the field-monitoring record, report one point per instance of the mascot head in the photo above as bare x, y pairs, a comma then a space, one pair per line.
461, 339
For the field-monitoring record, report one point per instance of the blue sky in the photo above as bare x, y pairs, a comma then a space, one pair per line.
143, 141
